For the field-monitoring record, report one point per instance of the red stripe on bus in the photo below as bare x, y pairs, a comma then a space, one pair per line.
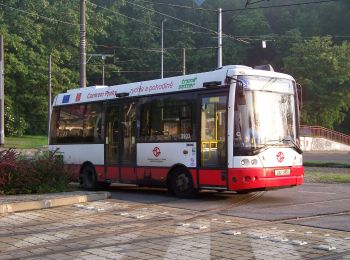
128, 174
212, 178
112, 173
256, 178
193, 173
100, 173
74, 170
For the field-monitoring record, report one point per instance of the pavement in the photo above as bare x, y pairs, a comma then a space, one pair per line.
17, 203
120, 229
307, 222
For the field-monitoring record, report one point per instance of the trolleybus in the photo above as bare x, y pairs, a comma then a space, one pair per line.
232, 129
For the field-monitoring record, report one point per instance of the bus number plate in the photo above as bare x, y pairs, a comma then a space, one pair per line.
282, 172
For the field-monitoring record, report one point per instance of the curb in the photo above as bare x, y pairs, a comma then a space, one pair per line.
50, 203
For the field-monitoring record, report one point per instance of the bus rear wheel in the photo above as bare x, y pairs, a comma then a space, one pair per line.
181, 184
89, 178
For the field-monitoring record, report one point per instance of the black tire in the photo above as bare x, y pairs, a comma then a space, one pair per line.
181, 184
89, 178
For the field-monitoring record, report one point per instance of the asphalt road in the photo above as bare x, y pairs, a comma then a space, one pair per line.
312, 204
342, 157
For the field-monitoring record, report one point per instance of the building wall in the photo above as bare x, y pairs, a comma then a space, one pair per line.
321, 144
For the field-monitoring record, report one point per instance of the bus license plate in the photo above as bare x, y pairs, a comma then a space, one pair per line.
282, 172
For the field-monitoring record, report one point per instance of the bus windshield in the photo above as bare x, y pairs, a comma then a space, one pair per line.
265, 114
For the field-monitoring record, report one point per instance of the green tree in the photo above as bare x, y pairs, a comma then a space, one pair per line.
323, 69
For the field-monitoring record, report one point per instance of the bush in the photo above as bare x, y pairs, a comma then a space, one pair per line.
45, 173
15, 125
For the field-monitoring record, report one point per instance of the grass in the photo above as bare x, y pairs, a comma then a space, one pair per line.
335, 178
325, 177
326, 164
25, 142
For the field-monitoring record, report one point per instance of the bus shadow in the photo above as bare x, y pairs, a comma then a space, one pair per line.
162, 195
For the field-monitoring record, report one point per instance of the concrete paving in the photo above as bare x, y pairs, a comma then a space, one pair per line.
118, 229
308, 200
333, 221
307, 222
16, 203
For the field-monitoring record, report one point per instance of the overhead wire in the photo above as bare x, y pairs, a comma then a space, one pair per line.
210, 31
280, 5
187, 22
153, 49
179, 6
174, 18
150, 25
126, 16
38, 15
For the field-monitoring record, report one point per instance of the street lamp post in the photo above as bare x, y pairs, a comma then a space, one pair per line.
162, 59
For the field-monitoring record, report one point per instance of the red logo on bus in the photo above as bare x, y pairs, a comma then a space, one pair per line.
156, 151
77, 97
280, 157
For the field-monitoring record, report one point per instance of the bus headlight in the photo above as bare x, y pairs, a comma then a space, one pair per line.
245, 162
254, 162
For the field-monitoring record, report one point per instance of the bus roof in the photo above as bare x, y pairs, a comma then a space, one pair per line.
158, 86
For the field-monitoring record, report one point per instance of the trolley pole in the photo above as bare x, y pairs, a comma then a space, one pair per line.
49, 100
2, 95
184, 61
219, 38
82, 43
162, 43
103, 69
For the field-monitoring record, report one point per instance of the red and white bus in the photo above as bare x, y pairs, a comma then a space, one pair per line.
232, 129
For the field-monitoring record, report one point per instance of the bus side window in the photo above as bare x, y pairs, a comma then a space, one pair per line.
166, 119
93, 123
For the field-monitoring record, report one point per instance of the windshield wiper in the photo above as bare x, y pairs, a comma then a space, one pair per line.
295, 145
283, 140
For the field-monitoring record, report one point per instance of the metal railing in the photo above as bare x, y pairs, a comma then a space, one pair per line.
319, 131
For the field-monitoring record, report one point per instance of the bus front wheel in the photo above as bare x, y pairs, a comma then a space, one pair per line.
181, 184
88, 178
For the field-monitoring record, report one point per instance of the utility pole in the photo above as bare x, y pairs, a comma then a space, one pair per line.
2, 95
162, 59
82, 43
49, 100
103, 69
219, 38
184, 61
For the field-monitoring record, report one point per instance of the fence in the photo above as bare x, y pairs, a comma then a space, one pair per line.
319, 131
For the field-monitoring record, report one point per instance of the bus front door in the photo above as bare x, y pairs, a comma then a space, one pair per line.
213, 132
120, 144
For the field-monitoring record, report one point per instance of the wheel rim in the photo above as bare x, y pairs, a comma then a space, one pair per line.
89, 177
182, 182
